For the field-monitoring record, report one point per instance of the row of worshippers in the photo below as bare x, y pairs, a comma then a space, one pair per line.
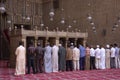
52, 59
100, 57
45, 59
57, 58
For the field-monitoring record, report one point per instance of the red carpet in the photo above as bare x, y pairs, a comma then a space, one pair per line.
111, 74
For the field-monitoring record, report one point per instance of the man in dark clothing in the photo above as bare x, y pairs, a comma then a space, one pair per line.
82, 57
62, 58
31, 58
39, 58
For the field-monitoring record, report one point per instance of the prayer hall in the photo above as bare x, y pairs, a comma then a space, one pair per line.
59, 40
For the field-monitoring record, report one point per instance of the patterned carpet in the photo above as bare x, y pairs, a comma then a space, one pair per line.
110, 74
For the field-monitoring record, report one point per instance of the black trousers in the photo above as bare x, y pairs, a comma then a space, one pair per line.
31, 64
69, 65
82, 63
92, 62
39, 63
112, 62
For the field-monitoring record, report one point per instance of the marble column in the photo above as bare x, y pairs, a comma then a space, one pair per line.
36, 41
57, 40
66, 43
46, 40
75, 42
84, 41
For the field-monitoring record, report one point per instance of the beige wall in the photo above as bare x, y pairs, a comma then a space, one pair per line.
104, 12
104, 15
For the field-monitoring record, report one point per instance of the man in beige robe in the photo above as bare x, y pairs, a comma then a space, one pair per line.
76, 56
107, 57
20, 59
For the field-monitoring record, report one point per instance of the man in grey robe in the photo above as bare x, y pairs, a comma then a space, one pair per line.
48, 58
61, 57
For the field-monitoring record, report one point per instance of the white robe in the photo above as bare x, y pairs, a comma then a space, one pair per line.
20, 60
97, 56
55, 58
48, 59
76, 56
102, 59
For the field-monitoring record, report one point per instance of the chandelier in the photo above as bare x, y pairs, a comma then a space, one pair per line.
51, 13
2, 7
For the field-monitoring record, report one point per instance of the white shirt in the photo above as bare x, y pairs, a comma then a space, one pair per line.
102, 52
112, 52
92, 52
76, 53
97, 53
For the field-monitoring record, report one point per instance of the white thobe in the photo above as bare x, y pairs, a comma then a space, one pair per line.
55, 58
20, 60
102, 59
97, 56
48, 59
76, 56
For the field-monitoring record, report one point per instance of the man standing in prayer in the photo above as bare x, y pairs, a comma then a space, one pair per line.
55, 58
31, 58
97, 56
39, 58
117, 60
112, 57
82, 57
48, 58
69, 56
87, 58
92, 58
61, 58
107, 57
102, 59
20, 59
76, 57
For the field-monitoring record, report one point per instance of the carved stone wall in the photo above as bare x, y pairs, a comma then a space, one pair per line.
104, 15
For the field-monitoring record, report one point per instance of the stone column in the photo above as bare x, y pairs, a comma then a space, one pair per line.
66, 43
57, 40
46, 40
24, 40
84, 41
75, 42
36, 40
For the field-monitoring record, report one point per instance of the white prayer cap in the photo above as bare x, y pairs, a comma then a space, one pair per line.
107, 46
59, 44
71, 43
98, 46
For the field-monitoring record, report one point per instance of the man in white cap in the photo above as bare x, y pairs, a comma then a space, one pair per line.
97, 56
102, 59
48, 58
76, 57
107, 57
